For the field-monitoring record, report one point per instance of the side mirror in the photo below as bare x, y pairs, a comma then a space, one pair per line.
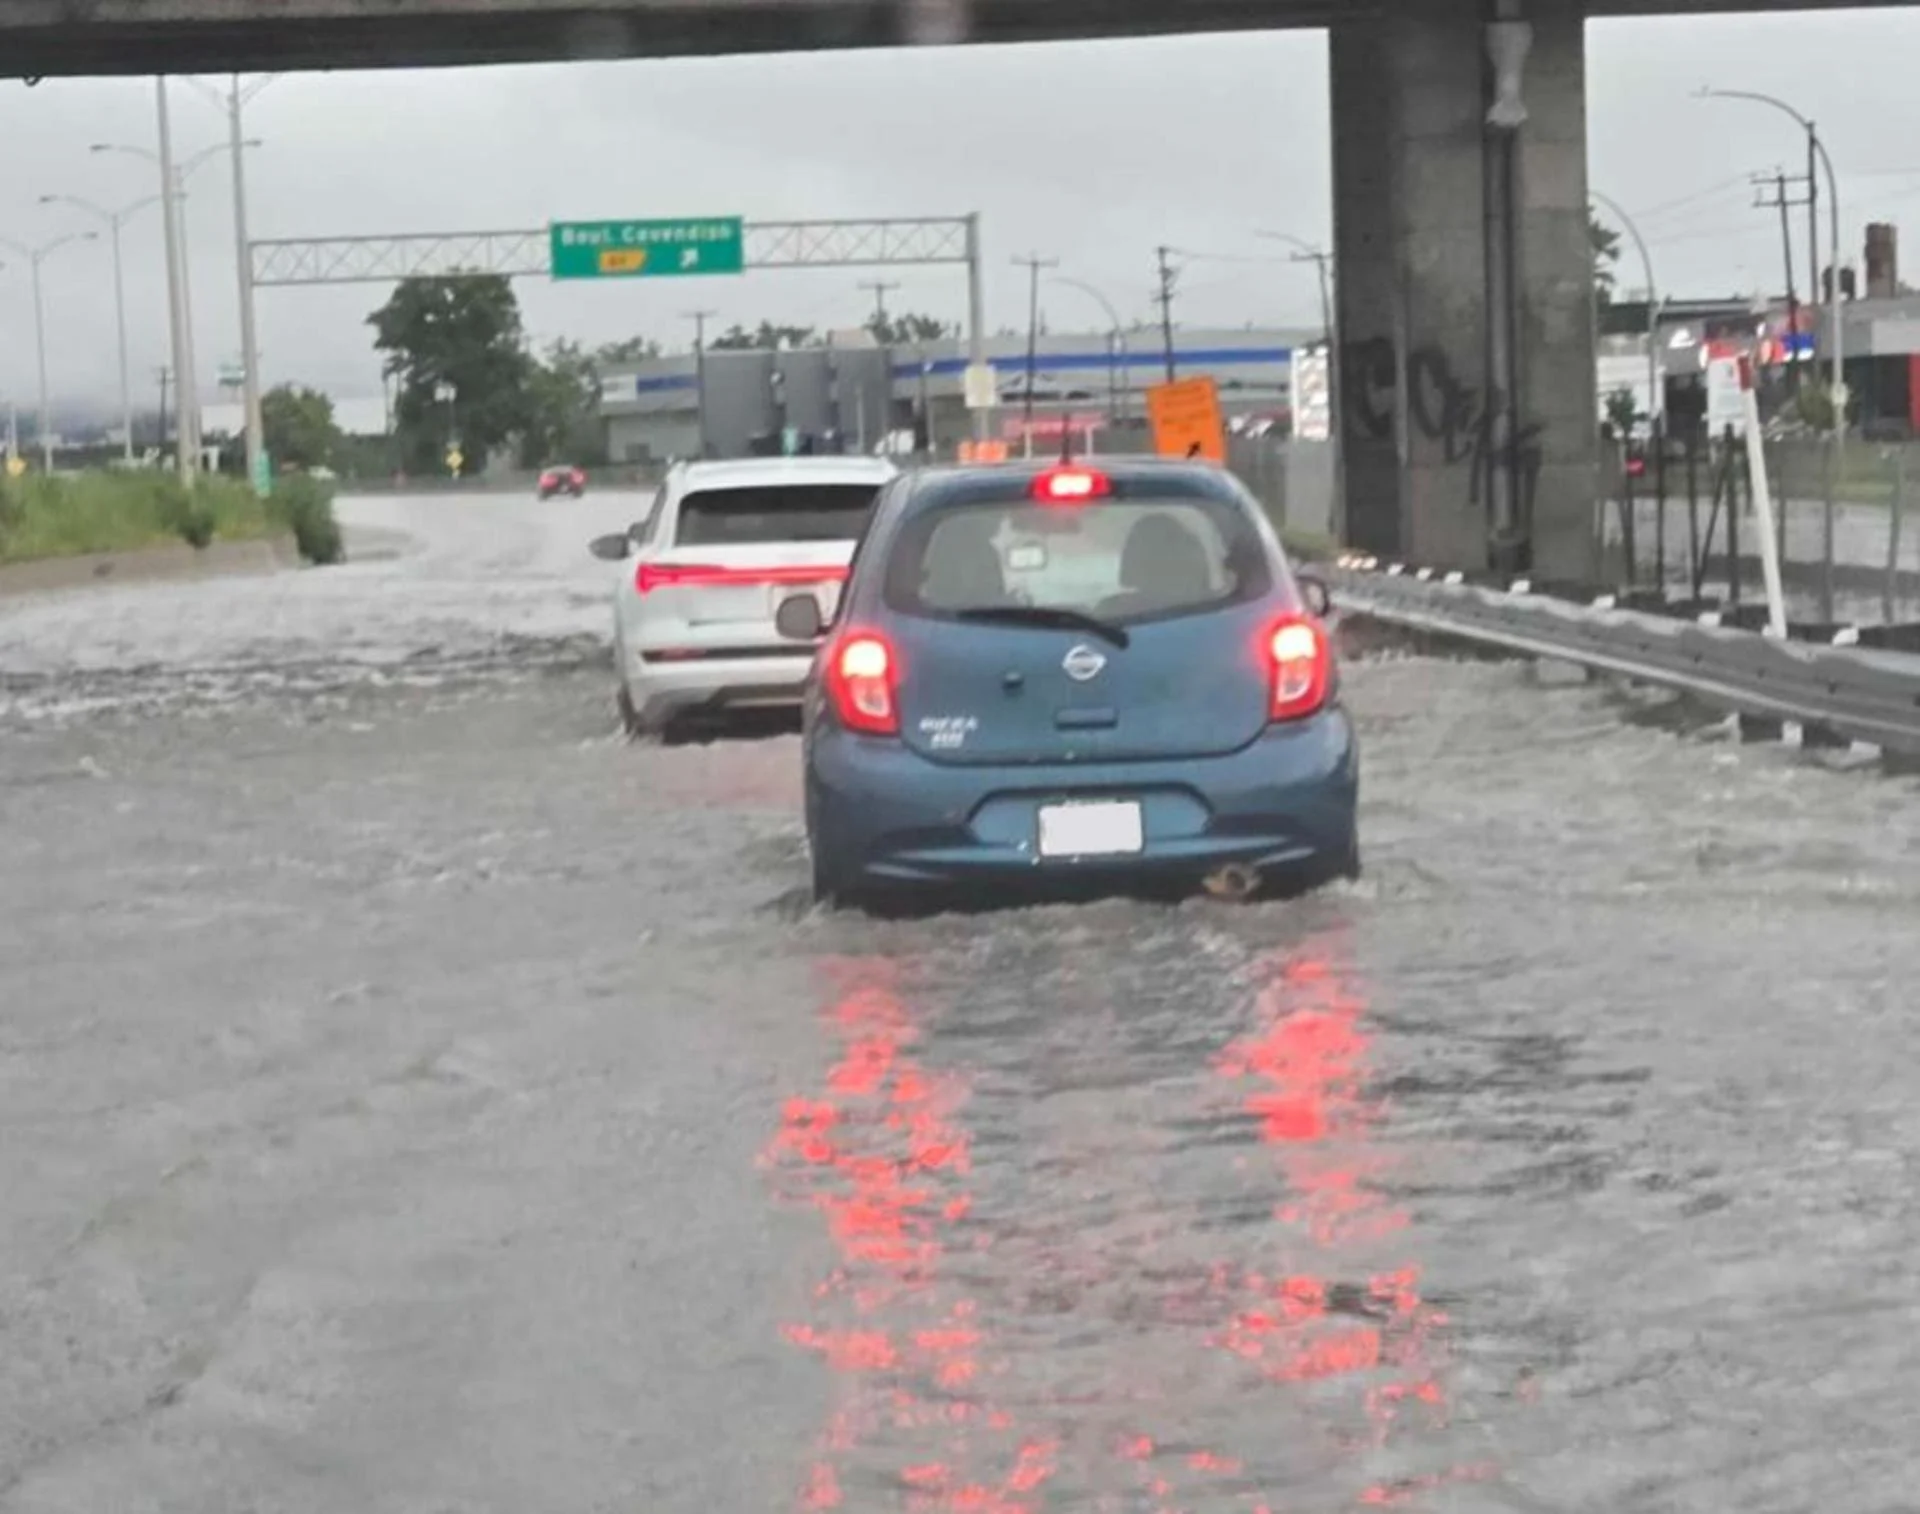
1314, 590
798, 618
611, 548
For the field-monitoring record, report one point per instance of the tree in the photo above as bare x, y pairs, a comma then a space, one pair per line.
1606, 253
562, 418
633, 349
767, 335
1621, 411
299, 426
461, 330
908, 330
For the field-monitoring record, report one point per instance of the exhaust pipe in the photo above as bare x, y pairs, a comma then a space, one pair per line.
1234, 881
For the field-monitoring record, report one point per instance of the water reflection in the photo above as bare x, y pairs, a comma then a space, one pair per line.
1070, 1322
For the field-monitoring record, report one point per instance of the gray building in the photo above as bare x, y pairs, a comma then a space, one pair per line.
853, 395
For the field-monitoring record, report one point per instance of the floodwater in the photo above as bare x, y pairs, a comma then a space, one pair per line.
413, 1097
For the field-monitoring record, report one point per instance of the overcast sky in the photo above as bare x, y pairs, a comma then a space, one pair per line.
1090, 153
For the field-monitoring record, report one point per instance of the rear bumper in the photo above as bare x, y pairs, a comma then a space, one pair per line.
661, 690
881, 815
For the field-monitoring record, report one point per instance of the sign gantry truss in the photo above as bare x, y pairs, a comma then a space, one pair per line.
527, 254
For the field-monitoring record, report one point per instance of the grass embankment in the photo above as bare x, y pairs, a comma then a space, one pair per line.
125, 512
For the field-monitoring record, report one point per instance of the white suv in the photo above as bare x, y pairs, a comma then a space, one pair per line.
701, 577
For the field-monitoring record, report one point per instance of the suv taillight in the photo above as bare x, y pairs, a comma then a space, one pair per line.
862, 678
1302, 664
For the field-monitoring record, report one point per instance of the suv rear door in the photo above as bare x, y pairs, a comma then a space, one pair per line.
731, 552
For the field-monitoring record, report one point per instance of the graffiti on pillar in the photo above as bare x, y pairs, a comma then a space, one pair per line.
1467, 422
1367, 385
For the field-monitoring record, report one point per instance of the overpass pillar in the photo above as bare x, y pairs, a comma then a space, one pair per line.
1465, 281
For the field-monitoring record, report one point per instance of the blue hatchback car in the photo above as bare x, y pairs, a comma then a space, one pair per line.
1086, 677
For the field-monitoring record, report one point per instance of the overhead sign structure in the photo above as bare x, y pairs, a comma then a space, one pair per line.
647, 249
1186, 419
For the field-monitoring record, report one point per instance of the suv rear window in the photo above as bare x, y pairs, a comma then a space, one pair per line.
775, 512
1119, 560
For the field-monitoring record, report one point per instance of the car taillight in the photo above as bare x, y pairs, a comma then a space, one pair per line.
1302, 663
861, 677
1070, 486
670, 575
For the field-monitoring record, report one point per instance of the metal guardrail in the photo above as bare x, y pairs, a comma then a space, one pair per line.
1856, 693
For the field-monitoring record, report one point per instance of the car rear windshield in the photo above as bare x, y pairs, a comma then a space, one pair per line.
1118, 560
774, 513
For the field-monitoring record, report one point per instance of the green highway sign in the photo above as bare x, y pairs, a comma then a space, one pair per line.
647, 249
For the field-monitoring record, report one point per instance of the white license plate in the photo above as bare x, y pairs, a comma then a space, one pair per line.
1105, 829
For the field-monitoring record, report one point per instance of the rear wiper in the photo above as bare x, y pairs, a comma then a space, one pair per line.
1045, 615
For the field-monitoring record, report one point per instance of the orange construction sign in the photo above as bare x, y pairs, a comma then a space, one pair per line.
1186, 419
983, 452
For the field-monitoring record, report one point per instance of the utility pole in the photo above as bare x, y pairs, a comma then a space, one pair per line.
1164, 298
165, 375
186, 444
1813, 241
1033, 263
1784, 203
258, 464
700, 319
879, 288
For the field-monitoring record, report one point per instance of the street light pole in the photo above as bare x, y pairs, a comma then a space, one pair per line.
1116, 342
1815, 148
36, 256
115, 220
234, 102
1033, 263
257, 464
1653, 303
173, 185
186, 410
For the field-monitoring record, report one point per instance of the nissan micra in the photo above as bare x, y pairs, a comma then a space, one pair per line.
1073, 678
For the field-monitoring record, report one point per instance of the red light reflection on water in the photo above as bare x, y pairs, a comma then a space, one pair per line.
1307, 1061
883, 1156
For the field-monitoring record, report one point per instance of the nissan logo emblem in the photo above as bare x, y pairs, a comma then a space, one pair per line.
1083, 663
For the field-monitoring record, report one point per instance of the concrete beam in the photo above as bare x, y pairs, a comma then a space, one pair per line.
40, 38
119, 37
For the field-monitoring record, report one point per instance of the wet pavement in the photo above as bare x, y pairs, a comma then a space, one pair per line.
415, 1098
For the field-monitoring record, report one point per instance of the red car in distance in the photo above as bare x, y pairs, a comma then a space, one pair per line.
563, 478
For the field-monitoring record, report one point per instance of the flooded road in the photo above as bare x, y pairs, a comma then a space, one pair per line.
415, 1098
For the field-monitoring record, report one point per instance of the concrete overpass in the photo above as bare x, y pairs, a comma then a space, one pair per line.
56, 37
1464, 270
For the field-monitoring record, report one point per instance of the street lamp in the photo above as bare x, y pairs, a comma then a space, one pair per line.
173, 184
234, 102
1116, 341
1653, 302
1815, 149
114, 220
36, 256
